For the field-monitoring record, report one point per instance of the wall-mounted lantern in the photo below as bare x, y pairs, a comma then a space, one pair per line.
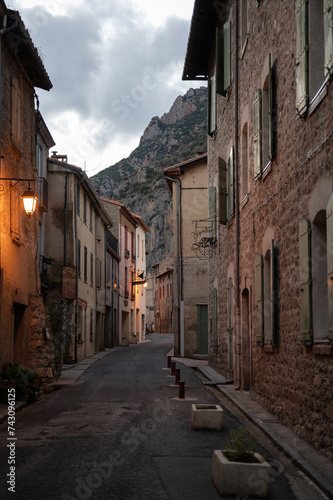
141, 281
28, 197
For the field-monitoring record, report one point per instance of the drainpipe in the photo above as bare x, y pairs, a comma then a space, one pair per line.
65, 222
77, 273
181, 319
238, 317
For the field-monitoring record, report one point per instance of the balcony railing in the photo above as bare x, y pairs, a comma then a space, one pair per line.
43, 194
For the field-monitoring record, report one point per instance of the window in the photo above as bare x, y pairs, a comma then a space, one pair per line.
98, 273
91, 269
138, 246
264, 123
314, 50
85, 270
244, 152
79, 258
316, 273
78, 199
91, 217
230, 194
212, 212
266, 297
85, 208
211, 122
226, 189
16, 112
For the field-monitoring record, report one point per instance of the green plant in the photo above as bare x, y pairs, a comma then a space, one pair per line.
61, 312
240, 446
23, 380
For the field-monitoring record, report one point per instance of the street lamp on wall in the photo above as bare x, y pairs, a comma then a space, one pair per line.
28, 197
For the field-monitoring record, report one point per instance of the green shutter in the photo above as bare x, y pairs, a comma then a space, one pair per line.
231, 197
257, 133
219, 63
274, 294
302, 48
259, 299
215, 317
328, 37
329, 228
212, 211
223, 218
211, 105
227, 54
305, 281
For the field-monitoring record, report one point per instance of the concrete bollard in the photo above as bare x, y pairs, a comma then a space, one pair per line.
181, 393
177, 376
173, 368
169, 361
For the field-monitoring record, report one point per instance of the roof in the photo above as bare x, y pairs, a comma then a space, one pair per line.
202, 33
142, 224
87, 186
26, 52
177, 169
123, 210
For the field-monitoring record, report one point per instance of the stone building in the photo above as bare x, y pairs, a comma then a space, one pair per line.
187, 184
24, 327
140, 283
75, 247
163, 277
269, 67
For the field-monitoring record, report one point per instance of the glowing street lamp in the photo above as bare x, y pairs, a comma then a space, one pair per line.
29, 201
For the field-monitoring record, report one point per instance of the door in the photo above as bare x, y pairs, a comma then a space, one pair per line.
202, 328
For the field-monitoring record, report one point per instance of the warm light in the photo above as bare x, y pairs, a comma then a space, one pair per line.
29, 201
145, 284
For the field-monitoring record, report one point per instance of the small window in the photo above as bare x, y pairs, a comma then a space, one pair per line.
319, 278
244, 152
85, 208
85, 264
91, 269
78, 199
231, 197
16, 112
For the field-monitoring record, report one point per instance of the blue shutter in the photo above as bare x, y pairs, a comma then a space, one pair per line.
305, 281
302, 48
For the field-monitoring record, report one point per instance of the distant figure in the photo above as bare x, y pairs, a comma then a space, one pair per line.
147, 330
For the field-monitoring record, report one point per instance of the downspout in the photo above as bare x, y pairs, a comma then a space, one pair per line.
238, 317
179, 267
77, 273
65, 222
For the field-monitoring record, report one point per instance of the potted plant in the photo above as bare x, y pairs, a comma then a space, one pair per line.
239, 469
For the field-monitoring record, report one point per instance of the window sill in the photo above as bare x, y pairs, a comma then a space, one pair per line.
269, 348
266, 170
318, 98
323, 349
244, 46
245, 201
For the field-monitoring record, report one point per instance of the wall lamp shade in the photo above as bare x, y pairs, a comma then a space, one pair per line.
29, 201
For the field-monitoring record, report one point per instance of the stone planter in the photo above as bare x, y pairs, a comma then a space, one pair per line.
206, 416
239, 478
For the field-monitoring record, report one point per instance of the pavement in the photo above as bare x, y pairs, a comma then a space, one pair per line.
312, 464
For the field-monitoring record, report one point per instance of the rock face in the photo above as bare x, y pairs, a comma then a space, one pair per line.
137, 181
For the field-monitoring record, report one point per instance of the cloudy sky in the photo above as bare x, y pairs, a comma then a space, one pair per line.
114, 64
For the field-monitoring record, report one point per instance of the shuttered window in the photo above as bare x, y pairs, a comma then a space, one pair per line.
227, 54
257, 134
231, 194
215, 317
259, 299
16, 112
328, 38
212, 211
302, 47
223, 217
270, 110
219, 63
329, 229
305, 281
211, 122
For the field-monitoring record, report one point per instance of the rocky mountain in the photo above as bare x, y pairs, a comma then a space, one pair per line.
137, 181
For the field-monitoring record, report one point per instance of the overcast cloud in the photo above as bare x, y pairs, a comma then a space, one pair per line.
113, 64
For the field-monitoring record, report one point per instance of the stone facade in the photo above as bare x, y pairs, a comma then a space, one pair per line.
266, 333
24, 328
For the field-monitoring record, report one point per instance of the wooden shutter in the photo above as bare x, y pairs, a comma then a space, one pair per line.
270, 110
219, 63
329, 228
212, 211
328, 37
305, 281
257, 133
215, 316
302, 48
227, 54
231, 196
223, 218
259, 299
274, 294
211, 105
